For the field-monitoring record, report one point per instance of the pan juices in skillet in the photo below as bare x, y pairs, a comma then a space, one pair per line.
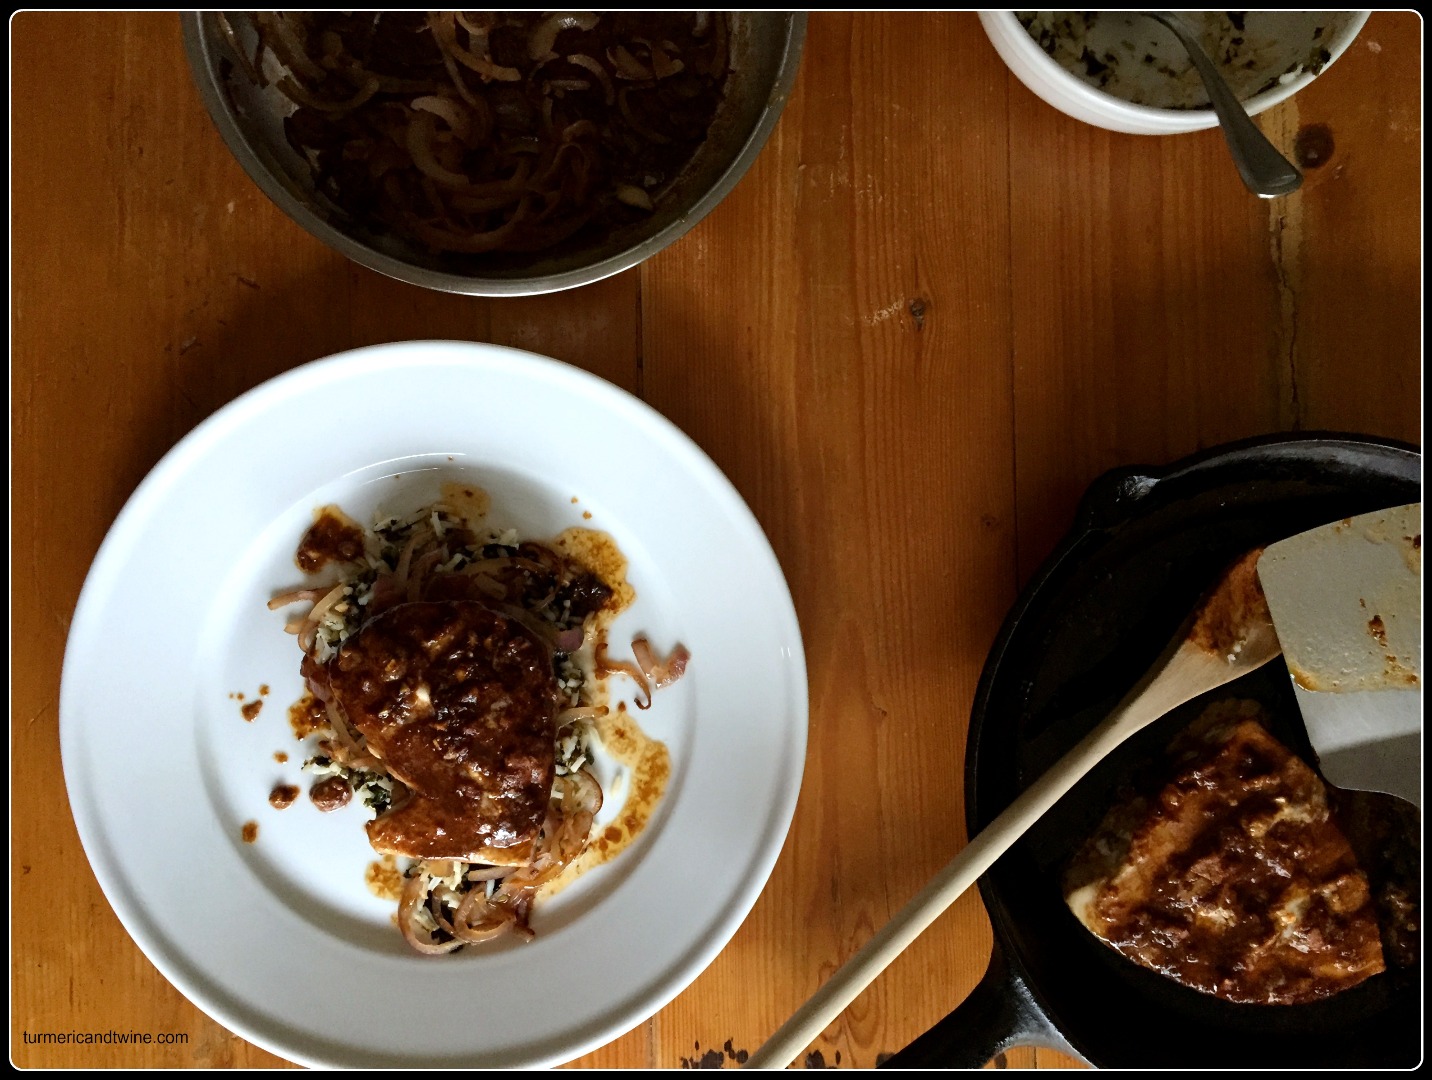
1234, 877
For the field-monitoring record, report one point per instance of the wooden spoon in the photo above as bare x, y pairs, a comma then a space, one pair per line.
1229, 635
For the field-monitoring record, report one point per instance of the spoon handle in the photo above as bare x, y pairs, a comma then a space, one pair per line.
1182, 674
1265, 171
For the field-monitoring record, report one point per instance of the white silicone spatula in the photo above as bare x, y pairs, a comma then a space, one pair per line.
1346, 603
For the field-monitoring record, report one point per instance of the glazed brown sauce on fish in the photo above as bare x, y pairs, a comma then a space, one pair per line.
452, 678
1234, 878
460, 703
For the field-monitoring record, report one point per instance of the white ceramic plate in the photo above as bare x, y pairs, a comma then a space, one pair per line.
280, 940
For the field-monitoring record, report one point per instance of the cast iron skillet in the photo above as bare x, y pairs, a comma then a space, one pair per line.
1145, 544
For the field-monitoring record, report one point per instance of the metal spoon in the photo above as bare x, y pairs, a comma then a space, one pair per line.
1265, 171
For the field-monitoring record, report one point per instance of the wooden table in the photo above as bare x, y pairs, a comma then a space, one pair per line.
933, 311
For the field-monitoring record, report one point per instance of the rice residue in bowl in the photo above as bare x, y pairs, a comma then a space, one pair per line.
1138, 60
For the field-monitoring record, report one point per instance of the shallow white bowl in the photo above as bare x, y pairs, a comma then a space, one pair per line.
1052, 82
280, 940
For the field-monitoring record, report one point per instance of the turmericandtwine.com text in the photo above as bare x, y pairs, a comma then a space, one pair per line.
83, 1038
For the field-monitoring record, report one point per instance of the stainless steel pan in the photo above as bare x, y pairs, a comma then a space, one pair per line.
765, 55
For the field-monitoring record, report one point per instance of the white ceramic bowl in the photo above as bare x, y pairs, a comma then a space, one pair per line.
278, 936
1283, 40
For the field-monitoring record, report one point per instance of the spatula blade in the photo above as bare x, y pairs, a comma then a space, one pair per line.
1346, 603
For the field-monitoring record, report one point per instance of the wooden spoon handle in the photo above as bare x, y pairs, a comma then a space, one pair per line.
1188, 672
947, 886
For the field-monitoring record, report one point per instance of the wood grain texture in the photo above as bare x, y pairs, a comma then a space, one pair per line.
1161, 311
932, 312
856, 351
1146, 304
1353, 330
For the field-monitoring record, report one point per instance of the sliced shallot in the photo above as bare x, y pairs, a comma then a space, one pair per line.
478, 919
415, 896
569, 640
456, 117
581, 712
594, 66
293, 596
309, 631
607, 666
539, 44
660, 672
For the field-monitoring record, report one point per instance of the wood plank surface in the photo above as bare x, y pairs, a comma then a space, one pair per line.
932, 312
876, 449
